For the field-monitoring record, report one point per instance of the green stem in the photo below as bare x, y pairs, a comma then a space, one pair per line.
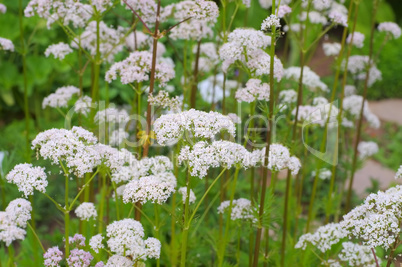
157, 234
222, 249
10, 249
334, 166
186, 225
24, 70
58, 206
102, 204
268, 141
359, 126
37, 237
66, 220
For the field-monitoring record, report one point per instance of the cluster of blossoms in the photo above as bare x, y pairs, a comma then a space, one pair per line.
310, 79
246, 46
358, 65
28, 178
154, 188
269, 22
279, 158
202, 156
110, 40
323, 238
96, 243
171, 127
163, 100
399, 173
390, 28
319, 114
86, 211
133, 169
183, 192
356, 38
78, 256
283, 10
76, 147
208, 56
60, 98
137, 67
353, 104
125, 238
3, 9
287, 97
66, 12
357, 255
323, 174
367, 149
254, 90
145, 8
376, 223
211, 89
203, 16
83, 105
331, 49
266, 4
53, 256
59, 51
242, 209
6, 44
14, 220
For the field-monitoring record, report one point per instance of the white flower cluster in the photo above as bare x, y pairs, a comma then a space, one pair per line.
203, 15
6, 44
390, 28
59, 50
79, 257
358, 39
376, 222
3, 9
133, 169
27, 178
367, 149
399, 173
125, 238
353, 104
266, 4
211, 89
117, 260
323, 174
203, 156
246, 46
283, 10
241, 209
254, 90
110, 40
60, 98
314, 17
350, 90
14, 220
338, 18
323, 238
75, 147
310, 79
52, 257
205, 11
357, 65
86, 211
357, 255
83, 105
183, 192
112, 115
171, 127
154, 188
96, 243
163, 100
287, 97
331, 49
269, 22
279, 158
68, 11
137, 67
145, 8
